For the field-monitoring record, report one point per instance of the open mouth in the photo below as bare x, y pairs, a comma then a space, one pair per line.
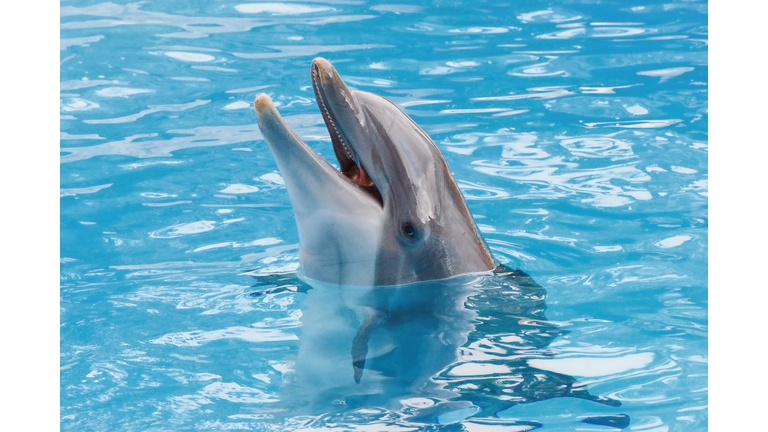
349, 163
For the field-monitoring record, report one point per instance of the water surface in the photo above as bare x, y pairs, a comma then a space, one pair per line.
577, 131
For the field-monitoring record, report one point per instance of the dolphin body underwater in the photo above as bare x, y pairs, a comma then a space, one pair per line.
379, 239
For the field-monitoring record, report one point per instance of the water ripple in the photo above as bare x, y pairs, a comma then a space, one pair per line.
248, 334
634, 124
523, 161
593, 366
195, 26
79, 41
666, 74
279, 8
283, 51
151, 110
84, 190
203, 136
183, 229
597, 147
594, 32
550, 15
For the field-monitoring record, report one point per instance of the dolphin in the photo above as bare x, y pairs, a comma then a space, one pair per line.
392, 214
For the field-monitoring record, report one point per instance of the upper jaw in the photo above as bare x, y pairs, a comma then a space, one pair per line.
322, 74
335, 99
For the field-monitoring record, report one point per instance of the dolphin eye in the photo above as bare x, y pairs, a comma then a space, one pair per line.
408, 230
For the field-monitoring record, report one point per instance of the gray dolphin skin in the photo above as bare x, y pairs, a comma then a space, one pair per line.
392, 214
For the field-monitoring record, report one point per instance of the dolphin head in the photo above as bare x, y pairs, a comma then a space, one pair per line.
392, 214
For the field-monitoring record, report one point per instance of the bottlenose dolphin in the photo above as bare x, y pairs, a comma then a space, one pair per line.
392, 214
376, 239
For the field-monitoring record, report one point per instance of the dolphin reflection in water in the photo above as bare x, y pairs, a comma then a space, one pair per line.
436, 351
403, 299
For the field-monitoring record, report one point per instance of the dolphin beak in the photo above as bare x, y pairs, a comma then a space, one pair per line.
312, 182
333, 95
262, 103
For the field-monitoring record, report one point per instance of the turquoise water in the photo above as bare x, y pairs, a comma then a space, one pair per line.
577, 131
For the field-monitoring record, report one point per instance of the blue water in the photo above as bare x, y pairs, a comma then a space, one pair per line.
577, 131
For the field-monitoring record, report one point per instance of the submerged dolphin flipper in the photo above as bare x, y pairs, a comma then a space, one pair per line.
372, 320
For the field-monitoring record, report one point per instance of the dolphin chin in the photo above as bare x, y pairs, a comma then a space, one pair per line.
392, 213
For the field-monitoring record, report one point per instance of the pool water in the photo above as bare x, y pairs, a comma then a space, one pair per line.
577, 132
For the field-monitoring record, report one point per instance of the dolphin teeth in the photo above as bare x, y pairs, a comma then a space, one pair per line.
350, 164
328, 116
353, 167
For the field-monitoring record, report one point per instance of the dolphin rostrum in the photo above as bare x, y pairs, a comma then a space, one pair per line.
392, 214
